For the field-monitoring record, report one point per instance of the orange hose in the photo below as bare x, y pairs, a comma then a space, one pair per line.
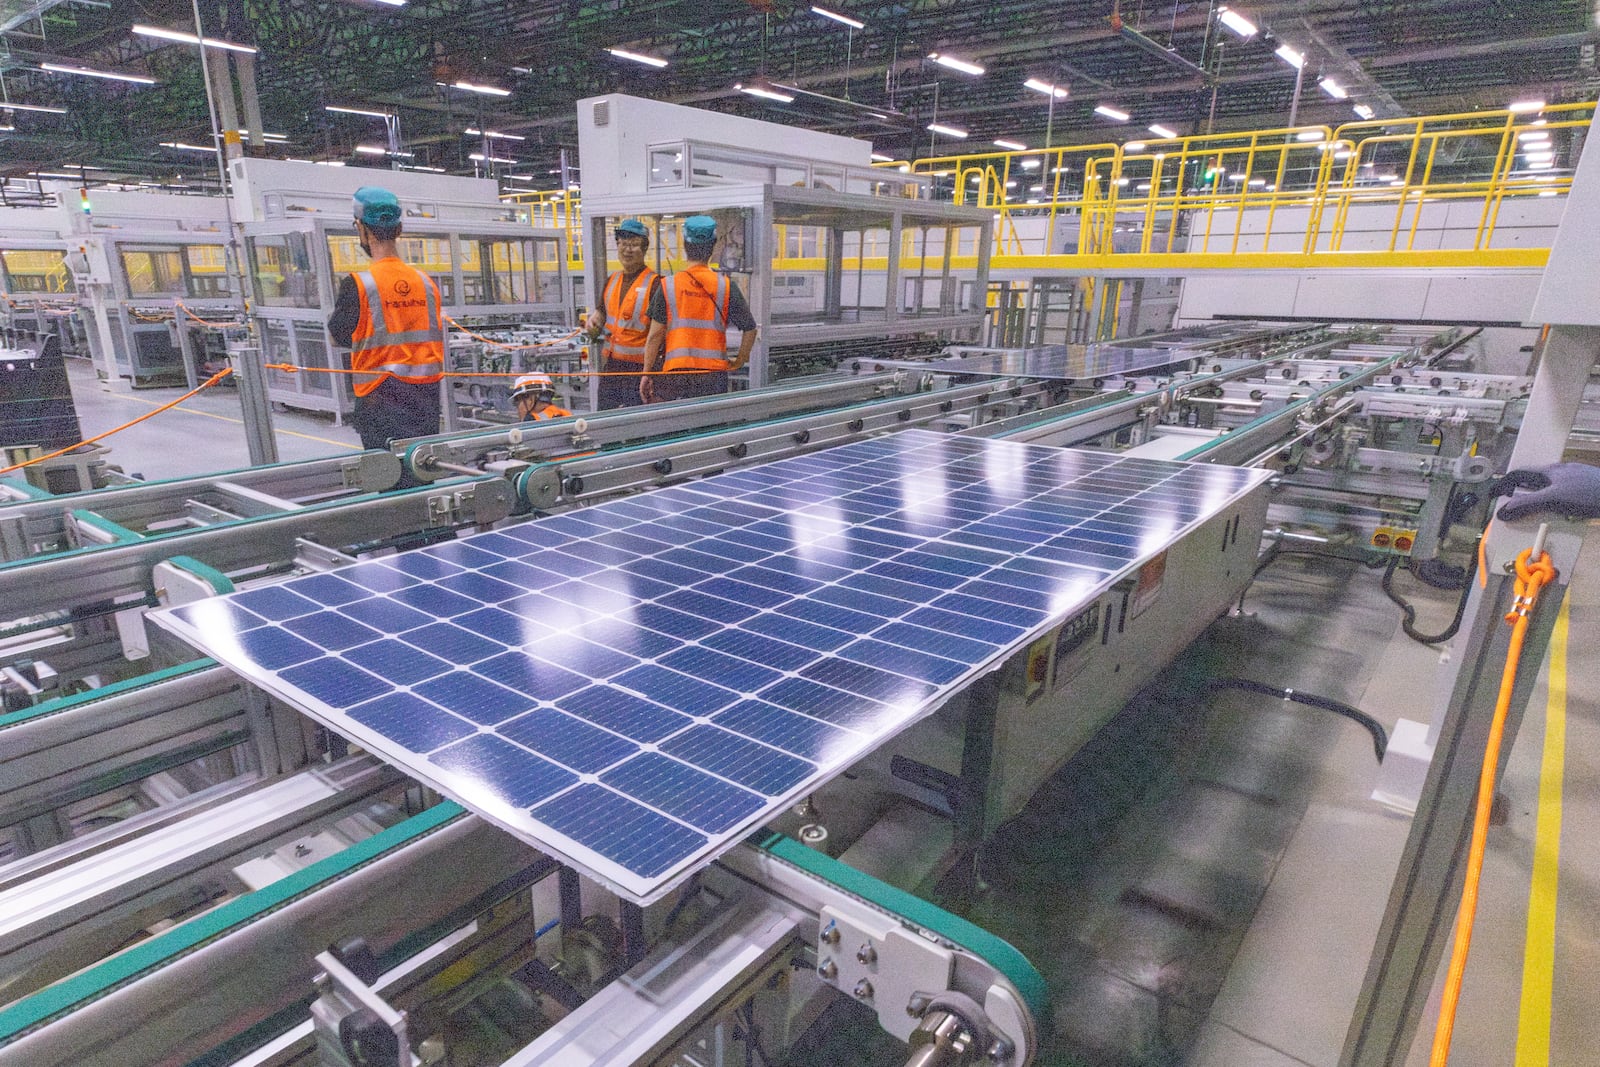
208, 383
1530, 578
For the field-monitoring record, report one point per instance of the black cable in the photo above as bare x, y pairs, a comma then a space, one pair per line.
1380, 737
1408, 614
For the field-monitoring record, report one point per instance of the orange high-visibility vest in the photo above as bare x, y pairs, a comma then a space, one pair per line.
400, 331
626, 324
549, 411
697, 320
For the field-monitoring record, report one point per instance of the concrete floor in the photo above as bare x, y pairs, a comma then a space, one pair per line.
1203, 884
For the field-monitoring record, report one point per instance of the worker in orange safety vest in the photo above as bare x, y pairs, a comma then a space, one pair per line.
622, 315
534, 396
689, 320
391, 319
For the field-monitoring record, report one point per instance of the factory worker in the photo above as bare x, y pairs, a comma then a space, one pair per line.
621, 316
533, 395
689, 319
390, 318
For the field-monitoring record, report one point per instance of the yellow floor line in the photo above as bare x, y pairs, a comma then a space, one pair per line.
1539, 950
230, 418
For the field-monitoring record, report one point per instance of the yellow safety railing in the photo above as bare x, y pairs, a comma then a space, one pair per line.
559, 209
1418, 191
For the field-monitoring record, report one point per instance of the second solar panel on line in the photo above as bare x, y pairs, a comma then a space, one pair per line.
634, 686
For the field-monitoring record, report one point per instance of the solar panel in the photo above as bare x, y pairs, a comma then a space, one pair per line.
1061, 362
635, 686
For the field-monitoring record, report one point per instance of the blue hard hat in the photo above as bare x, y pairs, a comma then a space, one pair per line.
699, 229
633, 228
376, 206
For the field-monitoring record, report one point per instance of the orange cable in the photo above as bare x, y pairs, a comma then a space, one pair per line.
1531, 577
208, 383
293, 369
214, 325
511, 348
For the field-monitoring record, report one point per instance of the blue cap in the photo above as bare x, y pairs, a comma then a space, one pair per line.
633, 228
699, 228
376, 206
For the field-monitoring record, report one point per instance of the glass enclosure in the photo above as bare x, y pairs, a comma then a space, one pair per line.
829, 266
285, 274
928, 251
506, 270
41, 270
197, 271
691, 165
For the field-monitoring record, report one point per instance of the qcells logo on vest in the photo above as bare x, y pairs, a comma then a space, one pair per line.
402, 287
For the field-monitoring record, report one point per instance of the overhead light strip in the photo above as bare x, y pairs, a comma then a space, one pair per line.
476, 87
189, 38
495, 134
1290, 56
1112, 113
953, 63
1163, 131
87, 72
638, 57
10, 105
358, 111
1047, 88
1237, 23
1011, 146
854, 24
948, 131
765, 93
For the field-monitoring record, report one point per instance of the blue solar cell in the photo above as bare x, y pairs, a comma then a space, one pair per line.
585, 657
502, 626
633, 544
626, 635
396, 662
464, 555
663, 572
520, 574
753, 648
514, 775
682, 524
631, 586
1037, 599
882, 606
678, 624
588, 600
571, 742
412, 722
481, 587
739, 759
743, 592
687, 794
217, 616
694, 560
991, 542
334, 682
440, 603
475, 697
730, 672
977, 629
808, 738
905, 661
825, 702
677, 691
779, 584
530, 675
732, 552
809, 635
422, 565
385, 615
619, 829
622, 712
707, 607
452, 643
830, 615
931, 581
275, 603
329, 591
961, 649
879, 585
867, 681
572, 563
376, 577
1009, 614
273, 649
502, 544
332, 631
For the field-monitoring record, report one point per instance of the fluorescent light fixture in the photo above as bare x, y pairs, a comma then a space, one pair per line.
1343, 153
371, 150
1143, 187
183, 146
879, 157
1397, 182
1237, 177
1134, 146
1011, 146
1546, 165
1363, 111
974, 176
1290, 56
1538, 157
496, 134
854, 24
1332, 88
637, 57
418, 166
1122, 181
40, 108
479, 157
1257, 181
1114, 114
1046, 88
1011, 185
1031, 164
521, 178
7, 129
54, 174
1236, 22
1162, 131
765, 93
1309, 135
1548, 192
357, 111
949, 131
1522, 107
486, 90
1035, 188
1525, 138
955, 64
391, 3
189, 38
59, 68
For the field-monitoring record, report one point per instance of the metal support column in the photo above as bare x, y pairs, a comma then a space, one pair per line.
256, 408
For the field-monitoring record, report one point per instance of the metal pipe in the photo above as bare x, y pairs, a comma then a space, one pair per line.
941, 1040
435, 463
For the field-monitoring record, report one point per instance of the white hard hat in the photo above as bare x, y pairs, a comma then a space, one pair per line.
532, 383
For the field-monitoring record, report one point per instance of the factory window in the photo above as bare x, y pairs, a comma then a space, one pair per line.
829, 267
503, 270
26, 270
283, 271
175, 271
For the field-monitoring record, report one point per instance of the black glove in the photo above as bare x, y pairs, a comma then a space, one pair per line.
1571, 490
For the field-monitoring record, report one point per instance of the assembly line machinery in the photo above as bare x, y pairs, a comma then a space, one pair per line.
195, 872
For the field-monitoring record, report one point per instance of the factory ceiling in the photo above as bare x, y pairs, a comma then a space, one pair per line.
1175, 65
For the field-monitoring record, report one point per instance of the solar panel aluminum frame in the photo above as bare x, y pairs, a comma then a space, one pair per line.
720, 491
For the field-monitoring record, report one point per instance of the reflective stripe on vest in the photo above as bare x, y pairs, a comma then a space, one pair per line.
697, 320
402, 339
627, 326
